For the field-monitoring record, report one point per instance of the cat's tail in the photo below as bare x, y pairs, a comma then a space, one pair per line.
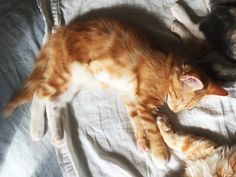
26, 93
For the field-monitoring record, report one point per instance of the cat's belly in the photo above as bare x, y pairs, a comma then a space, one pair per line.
119, 83
122, 79
125, 85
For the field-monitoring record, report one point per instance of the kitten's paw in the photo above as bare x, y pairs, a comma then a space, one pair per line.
159, 153
142, 145
160, 157
160, 163
178, 28
57, 138
56, 142
178, 12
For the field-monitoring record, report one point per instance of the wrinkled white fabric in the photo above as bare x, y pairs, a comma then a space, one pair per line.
99, 140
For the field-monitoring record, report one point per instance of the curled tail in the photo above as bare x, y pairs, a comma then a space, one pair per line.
26, 93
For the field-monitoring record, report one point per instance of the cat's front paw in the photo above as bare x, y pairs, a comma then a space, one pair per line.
142, 145
160, 156
178, 28
141, 140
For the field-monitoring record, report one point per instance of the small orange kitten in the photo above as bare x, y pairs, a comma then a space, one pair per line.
121, 56
204, 158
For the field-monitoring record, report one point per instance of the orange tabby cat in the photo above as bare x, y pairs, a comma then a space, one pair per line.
204, 158
122, 57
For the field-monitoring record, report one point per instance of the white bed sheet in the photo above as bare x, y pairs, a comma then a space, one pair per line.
99, 139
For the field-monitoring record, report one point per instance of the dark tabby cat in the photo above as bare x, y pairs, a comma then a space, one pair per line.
219, 30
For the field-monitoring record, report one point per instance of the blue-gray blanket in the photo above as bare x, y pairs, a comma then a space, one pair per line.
21, 36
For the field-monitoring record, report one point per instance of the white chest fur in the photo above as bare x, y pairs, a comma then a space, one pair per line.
123, 84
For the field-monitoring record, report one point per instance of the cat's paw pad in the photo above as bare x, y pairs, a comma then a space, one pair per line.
36, 135
142, 145
57, 141
178, 11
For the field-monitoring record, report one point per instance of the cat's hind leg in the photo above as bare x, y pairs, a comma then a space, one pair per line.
53, 110
57, 89
37, 120
193, 147
179, 29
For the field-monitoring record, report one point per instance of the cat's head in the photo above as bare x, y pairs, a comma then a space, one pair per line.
188, 86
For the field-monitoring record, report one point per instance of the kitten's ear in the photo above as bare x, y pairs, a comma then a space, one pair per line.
216, 90
191, 82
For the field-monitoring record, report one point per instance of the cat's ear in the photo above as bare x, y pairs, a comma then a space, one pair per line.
191, 82
214, 89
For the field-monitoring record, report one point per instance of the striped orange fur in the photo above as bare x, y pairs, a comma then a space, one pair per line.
204, 157
124, 58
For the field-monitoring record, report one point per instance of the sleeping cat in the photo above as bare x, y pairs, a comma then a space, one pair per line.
218, 28
121, 56
203, 157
